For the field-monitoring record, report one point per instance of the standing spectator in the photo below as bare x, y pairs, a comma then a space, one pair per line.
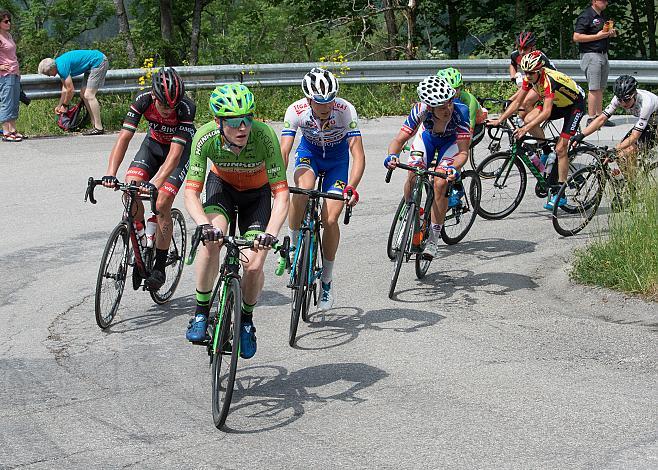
592, 33
93, 64
10, 81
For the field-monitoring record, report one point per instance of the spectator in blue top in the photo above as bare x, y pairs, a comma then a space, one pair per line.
93, 64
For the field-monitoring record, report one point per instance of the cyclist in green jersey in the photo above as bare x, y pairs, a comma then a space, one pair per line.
247, 172
477, 114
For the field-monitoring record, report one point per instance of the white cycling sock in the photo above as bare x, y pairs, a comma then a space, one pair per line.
327, 270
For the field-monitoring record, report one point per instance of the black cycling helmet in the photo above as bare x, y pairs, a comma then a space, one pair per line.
526, 39
168, 87
625, 87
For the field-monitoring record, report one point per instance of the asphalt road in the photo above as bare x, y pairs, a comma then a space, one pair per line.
494, 360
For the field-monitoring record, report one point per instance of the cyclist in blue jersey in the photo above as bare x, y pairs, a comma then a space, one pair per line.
441, 125
330, 132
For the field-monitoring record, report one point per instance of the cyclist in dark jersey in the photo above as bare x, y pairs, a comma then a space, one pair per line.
247, 172
163, 156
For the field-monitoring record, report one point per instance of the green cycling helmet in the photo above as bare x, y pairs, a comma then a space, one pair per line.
453, 76
230, 100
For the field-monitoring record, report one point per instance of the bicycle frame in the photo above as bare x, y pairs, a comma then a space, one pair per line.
143, 255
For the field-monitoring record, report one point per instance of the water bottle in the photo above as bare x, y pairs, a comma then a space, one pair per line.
139, 230
550, 161
537, 161
419, 228
615, 171
151, 226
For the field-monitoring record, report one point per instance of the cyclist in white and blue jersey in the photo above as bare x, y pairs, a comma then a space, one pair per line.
330, 132
441, 125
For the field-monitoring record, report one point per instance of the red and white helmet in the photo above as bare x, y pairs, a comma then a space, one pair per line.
532, 61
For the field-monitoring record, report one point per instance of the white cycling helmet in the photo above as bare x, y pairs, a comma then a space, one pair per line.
320, 85
435, 91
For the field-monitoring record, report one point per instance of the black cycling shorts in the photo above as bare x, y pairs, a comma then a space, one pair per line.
254, 206
150, 157
571, 115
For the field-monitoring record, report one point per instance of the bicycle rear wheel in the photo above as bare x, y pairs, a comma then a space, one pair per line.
583, 192
226, 349
396, 226
111, 278
459, 219
403, 245
300, 289
503, 181
175, 259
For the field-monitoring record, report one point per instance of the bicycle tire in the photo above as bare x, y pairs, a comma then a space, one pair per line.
300, 291
583, 200
401, 253
311, 290
395, 229
115, 274
175, 259
496, 172
465, 213
228, 327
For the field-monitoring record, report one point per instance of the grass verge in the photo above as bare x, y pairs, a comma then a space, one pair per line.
626, 258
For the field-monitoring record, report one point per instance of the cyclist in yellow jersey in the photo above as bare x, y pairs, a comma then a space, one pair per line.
562, 99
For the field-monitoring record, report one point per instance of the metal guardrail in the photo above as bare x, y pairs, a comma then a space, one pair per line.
403, 71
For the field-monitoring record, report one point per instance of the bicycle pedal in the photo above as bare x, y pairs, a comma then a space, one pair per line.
200, 343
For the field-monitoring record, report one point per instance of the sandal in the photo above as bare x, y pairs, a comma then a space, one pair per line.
19, 135
11, 138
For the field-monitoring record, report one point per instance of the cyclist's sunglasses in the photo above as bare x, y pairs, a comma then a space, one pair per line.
166, 105
322, 100
627, 98
236, 122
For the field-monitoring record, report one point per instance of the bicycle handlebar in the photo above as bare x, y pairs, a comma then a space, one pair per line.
315, 194
282, 248
416, 169
125, 187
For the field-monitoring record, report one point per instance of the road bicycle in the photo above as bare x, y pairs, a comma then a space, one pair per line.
411, 224
126, 248
495, 133
225, 319
504, 178
306, 265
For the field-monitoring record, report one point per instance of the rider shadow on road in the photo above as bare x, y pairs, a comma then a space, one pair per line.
155, 315
340, 326
444, 285
273, 298
271, 397
487, 249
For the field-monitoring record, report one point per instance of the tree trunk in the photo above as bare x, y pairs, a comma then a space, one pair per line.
391, 29
638, 29
196, 32
410, 13
124, 30
651, 6
453, 28
166, 31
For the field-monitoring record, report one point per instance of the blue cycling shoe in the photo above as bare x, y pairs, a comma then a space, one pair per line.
550, 204
196, 330
247, 340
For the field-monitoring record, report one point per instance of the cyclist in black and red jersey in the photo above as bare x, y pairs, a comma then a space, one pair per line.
162, 159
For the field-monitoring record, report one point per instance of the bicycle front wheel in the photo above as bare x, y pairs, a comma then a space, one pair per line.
175, 259
394, 233
313, 276
503, 180
111, 278
300, 287
460, 218
226, 349
403, 245
583, 192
